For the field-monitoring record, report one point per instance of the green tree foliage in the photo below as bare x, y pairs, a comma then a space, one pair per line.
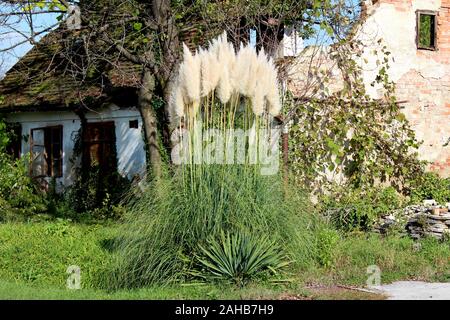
430, 186
350, 138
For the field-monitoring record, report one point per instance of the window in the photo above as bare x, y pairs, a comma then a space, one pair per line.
134, 124
99, 141
46, 152
426, 30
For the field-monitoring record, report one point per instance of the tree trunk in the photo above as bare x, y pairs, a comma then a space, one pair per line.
150, 122
170, 47
157, 82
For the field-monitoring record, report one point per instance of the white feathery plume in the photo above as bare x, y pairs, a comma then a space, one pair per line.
274, 104
273, 95
258, 101
215, 66
227, 58
190, 74
210, 72
241, 71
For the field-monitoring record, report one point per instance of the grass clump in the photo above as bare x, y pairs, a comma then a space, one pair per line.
169, 223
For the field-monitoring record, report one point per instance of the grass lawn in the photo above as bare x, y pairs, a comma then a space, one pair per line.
14, 291
34, 258
10, 290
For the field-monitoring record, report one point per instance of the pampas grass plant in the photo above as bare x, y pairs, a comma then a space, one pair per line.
166, 226
169, 223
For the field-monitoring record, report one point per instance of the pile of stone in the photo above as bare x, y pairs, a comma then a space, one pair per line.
419, 221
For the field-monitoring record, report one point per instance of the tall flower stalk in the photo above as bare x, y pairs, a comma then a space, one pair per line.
219, 88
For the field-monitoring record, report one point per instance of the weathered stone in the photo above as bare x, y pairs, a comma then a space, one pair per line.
444, 216
434, 234
436, 229
438, 224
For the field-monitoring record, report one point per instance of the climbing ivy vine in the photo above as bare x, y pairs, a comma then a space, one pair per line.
350, 139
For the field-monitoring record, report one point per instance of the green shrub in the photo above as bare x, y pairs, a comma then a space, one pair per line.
430, 186
97, 194
238, 257
19, 196
167, 222
358, 209
327, 240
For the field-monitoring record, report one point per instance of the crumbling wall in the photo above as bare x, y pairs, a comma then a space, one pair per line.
422, 77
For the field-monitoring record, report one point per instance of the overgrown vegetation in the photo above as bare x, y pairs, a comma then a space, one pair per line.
350, 139
98, 194
37, 255
430, 186
358, 209
238, 257
20, 198
225, 224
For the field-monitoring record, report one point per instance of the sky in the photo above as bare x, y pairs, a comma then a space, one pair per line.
9, 37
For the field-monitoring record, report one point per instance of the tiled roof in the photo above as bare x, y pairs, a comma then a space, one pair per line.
44, 78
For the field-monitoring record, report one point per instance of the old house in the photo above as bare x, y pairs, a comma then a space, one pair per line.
42, 97
53, 90
417, 33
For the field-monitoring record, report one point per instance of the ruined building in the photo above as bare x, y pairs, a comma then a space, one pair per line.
417, 33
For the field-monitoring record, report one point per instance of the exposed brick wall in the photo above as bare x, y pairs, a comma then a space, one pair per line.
428, 110
444, 32
428, 93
